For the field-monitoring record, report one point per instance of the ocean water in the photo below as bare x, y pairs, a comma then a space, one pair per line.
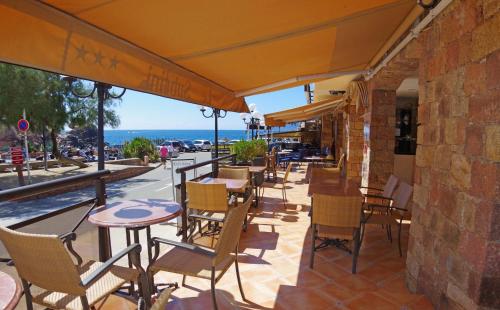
115, 137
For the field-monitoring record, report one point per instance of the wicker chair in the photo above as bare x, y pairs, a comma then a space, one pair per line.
238, 173
284, 181
196, 261
271, 164
207, 202
394, 214
336, 218
51, 279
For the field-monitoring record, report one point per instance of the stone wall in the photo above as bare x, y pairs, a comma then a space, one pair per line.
454, 245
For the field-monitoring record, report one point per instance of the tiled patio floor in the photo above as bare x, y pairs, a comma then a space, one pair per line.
275, 271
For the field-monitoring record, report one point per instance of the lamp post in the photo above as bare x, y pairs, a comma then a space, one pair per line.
216, 114
252, 119
103, 93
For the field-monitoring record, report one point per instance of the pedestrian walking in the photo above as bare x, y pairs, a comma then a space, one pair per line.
163, 156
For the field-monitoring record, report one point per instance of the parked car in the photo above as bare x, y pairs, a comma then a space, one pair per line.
203, 145
188, 146
172, 150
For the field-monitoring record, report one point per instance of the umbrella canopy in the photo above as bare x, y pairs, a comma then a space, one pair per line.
206, 52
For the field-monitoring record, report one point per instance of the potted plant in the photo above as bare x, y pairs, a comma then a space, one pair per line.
246, 151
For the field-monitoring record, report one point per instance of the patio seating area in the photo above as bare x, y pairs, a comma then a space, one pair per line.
274, 264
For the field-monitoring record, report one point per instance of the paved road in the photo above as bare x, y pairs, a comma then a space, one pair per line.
154, 184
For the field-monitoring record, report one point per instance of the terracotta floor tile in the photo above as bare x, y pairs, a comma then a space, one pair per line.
328, 269
371, 301
307, 278
396, 289
296, 298
356, 283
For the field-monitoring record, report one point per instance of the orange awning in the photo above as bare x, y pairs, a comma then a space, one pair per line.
302, 113
205, 52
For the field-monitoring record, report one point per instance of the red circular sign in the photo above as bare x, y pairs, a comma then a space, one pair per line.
23, 125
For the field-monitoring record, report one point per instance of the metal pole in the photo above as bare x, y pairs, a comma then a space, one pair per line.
216, 116
27, 150
101, 89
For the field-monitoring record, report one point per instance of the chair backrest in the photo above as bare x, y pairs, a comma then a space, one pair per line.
325, 175
337, 211
238, 173
390, 186
230, 234
288, 168
43, 261
209, 197
401, 196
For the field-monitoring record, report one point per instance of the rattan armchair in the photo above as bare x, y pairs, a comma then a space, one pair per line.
51, 279
336, 220
380, 195
207, 202
271, 164
394, 214
196, 261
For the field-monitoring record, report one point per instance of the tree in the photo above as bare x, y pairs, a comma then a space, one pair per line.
49, 105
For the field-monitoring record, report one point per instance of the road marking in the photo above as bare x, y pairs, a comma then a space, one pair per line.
165, 187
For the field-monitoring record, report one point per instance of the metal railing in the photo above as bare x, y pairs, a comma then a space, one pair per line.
183, 170
39, 188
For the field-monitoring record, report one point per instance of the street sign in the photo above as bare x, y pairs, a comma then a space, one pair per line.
16, 155
23, 125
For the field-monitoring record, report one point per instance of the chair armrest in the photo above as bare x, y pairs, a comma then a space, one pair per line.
99, 272
187, 246
372, 188
69, 236
206, 217
377, 196
68, 239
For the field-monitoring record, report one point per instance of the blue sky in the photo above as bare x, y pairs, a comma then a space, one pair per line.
143, 111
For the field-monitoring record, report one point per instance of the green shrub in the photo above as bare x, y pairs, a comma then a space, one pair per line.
247, 150
139, 147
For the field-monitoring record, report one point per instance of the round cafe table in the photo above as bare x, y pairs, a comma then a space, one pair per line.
136, 215
10, 292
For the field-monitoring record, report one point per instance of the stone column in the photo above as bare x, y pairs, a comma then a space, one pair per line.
382, 123
355, 142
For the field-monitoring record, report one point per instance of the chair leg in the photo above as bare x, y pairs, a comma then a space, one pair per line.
183, 280
399, 239
238, 277
27, 294
85, 302
212, 288
388, 230
356, 251
362, 234
313, 245
283, 196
